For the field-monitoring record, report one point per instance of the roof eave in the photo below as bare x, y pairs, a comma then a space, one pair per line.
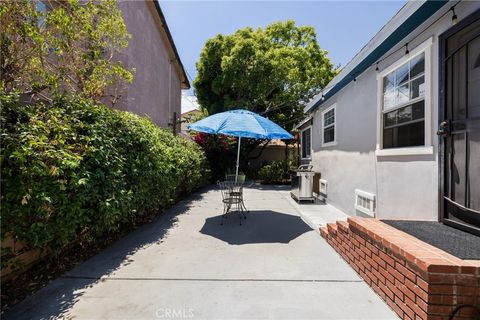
184, 83
412, 15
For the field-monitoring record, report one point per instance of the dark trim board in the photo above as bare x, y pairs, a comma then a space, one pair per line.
429, 8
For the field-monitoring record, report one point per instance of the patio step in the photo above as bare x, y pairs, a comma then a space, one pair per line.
332, 228
417, 280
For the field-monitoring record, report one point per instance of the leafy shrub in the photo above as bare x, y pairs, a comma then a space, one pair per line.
75, 170
275, 172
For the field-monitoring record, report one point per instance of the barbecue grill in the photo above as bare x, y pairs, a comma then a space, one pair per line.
302, 183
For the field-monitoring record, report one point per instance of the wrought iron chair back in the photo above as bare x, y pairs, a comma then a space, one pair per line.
230, 177
232, 195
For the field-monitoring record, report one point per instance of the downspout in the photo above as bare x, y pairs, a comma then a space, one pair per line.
170, 93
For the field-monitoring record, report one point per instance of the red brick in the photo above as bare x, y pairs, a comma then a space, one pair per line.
354, 242
365, 250
407, 311
372, 263
365, 264
343, 226
422, 284
440, 310
356, 268
440, 289
360, 240
421, 303
406, 272
372, 248
396, 274
379, 276
469, 312
465, 299
416, 289
396, 291
466, 291
385, 243
419, 312
367, 280
350, 257
386, 290
411, 258
434, 298
359, 251
447, 300
395, 248
439, 278
407, 292
379, 261
388, 259
442, 268
395, 308
470, 270
372, 278
465, 280
398, 259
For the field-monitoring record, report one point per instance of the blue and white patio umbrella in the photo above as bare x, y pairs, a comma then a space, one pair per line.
241, 124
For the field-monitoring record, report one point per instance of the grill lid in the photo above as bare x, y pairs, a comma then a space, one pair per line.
305, 168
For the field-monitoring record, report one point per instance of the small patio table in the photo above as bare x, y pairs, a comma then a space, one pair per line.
233, 178
232, 195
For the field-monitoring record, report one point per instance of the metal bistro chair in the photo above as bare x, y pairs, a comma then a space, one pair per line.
232, 178
232, 196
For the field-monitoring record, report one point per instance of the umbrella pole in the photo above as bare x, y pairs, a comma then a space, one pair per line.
238, 158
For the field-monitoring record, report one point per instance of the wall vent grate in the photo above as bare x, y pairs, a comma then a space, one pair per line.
365, 202
323, 187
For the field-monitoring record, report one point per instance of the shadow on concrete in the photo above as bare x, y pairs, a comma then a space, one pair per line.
261, 226
54, 300
267, 187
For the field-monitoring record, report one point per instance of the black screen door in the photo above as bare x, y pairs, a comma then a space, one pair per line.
460, 128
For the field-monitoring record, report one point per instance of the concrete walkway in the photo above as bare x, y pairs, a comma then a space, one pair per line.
185, 265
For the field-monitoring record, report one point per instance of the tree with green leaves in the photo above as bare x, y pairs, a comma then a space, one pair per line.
273, 71
70, 46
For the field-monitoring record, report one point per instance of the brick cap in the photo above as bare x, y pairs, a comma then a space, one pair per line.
418, 253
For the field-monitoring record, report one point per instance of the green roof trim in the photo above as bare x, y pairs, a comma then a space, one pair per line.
411, 23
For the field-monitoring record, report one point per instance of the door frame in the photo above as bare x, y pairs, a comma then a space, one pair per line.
442, 117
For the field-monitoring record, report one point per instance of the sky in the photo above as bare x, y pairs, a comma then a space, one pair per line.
343, 27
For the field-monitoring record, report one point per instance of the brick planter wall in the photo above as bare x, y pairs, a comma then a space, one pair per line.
417, 280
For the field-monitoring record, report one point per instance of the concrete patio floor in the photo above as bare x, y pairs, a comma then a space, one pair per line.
185, 265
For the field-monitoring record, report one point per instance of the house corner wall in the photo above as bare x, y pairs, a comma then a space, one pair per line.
156, 89
405, 186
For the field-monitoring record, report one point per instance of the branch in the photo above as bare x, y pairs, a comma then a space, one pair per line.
261, 150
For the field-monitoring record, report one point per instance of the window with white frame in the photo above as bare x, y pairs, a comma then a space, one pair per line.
404, 105
306, 143
328, 126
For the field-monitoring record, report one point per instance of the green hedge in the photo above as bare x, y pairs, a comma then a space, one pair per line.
76, 170
276, 172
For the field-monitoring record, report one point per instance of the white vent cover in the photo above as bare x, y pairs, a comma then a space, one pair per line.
323, 187
365, 202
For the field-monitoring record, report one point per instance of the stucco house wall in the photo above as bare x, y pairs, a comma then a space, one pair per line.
350, 163
159, 75
405, 186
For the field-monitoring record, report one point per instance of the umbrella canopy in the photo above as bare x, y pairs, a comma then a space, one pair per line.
241, 124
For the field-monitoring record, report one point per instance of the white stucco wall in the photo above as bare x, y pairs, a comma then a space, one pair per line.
406, 186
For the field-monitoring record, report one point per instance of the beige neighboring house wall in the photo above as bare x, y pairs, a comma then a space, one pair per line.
159, 75
188, 118
274, 151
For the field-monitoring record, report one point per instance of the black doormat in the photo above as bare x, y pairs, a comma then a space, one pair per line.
458, 243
